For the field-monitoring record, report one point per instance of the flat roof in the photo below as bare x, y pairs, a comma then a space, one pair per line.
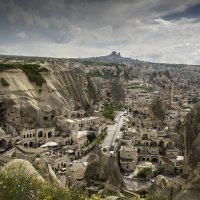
87, 118
70, 120
81, 133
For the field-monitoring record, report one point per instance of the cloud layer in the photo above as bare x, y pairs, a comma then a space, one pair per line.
153, 30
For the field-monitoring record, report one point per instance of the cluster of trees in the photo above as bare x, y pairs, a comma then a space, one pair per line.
159, 109
117, 91
109, 111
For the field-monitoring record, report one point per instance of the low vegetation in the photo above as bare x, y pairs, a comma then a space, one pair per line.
145, 172
97, 63
31, 70
18, 186
97, 140
91, 136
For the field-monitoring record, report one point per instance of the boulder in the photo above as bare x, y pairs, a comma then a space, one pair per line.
24, 167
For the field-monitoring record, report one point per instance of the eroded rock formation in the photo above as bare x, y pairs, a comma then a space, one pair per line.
103, 168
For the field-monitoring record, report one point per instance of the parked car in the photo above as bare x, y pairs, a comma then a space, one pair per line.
112, 148
117, 139
105, 148
122, 128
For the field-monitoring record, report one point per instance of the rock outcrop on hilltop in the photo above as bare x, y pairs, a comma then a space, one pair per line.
104, 170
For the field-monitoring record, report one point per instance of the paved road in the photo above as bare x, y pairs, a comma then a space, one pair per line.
113, 131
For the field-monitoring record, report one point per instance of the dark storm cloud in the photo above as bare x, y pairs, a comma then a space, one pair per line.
190, 12
74, 28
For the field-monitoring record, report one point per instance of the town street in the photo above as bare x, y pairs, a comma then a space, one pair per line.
113, 131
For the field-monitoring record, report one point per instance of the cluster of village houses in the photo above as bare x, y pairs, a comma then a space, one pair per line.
148, 142
59, 147
145, 140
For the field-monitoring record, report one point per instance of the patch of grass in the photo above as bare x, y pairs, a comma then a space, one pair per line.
4, 82
31, 70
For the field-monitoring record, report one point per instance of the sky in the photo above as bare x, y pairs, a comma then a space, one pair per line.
150, 30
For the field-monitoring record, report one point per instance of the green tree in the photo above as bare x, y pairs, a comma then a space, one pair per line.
91, 136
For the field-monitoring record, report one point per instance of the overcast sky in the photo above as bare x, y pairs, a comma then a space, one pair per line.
150, 30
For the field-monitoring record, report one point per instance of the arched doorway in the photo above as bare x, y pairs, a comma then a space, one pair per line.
161, 143
40, 135
153, 144
170, 145
26, 145
3, 144
139, 150
31, 144
144, 137
154, 160
136, 112
73, 116
50, 134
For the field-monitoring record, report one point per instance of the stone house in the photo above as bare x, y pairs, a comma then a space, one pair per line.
81, 139
128, 158
36, 137
88, 123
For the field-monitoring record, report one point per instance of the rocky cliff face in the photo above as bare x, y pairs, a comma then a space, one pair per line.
23, 102
191, 132
192, 139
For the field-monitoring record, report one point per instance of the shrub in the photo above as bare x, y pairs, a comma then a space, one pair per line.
4, 82
91, 136
143, 173
96, 141
18, 186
